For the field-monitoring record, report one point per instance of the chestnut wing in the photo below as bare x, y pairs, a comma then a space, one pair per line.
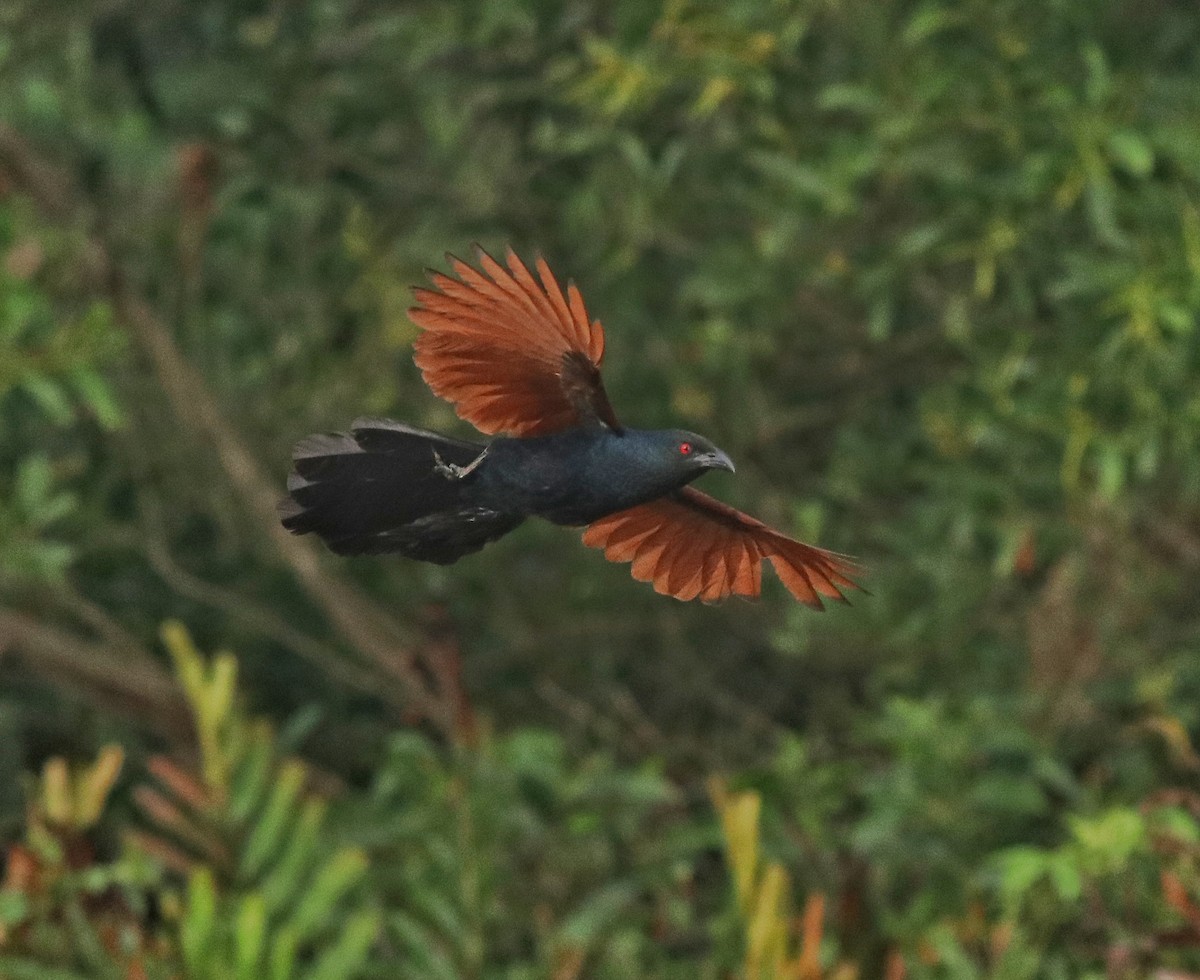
691, 545
514, 354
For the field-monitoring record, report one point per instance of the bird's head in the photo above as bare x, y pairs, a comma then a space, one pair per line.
687, 453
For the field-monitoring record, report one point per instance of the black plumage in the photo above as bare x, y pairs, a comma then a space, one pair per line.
378, 490
388, 487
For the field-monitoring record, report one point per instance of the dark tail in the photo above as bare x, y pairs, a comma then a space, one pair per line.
381, 489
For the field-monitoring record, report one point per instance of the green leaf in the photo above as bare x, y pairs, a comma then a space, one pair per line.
427, 952
1066, 876
34, 478
17, 968
1020, 869
1111, 467
1111, 838
252, 775
14, 907
346, 957
1179, 823
50, 397
282, 884
42, 99
929, 19
441, 910
199, 921
39, 560
87, 945
266, 836
98, 396
1131, 152
284, 949
598, 914
849, 98
341, 873
54, 509
249, 937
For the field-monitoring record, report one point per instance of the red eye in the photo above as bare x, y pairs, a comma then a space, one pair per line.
685, 449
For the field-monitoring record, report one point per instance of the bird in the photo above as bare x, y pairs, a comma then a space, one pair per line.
520, 360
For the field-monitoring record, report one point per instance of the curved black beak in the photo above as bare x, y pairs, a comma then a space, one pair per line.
717, 460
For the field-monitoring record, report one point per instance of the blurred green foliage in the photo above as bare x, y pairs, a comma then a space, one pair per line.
928, 270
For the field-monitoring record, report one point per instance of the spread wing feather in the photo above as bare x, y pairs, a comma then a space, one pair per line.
691, 545
511, 353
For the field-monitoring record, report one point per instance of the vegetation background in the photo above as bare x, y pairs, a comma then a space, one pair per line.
928, 269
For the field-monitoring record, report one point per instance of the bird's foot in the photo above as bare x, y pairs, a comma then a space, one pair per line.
452, 471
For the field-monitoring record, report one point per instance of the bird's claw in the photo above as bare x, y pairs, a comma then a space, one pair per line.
452, 471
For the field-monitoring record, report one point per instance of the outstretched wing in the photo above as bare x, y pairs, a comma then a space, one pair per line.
511, 353
691, 545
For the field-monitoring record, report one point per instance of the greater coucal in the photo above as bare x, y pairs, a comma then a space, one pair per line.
516, 356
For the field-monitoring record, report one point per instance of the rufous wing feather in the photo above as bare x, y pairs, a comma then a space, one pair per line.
690, 545
512, 353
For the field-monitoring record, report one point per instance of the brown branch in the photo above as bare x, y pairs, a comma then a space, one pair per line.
22, 169
261, 619
1174, 535
370, 630
89, 614
129, 685
377, 636
153, 543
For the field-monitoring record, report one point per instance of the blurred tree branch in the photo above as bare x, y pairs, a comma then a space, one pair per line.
369, 630
117, 679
